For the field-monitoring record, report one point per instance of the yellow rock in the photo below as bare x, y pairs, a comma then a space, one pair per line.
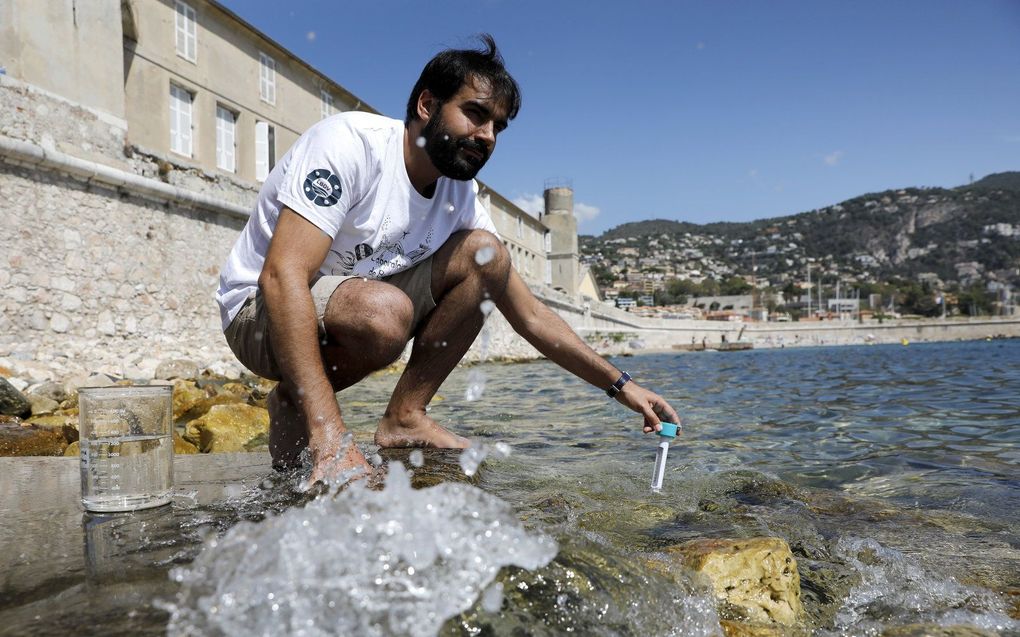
73, 449
741, 629
186, 396
757, 577
182, 446
228, 428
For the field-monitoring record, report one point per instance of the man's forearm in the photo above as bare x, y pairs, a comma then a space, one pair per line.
551, 336
294, 333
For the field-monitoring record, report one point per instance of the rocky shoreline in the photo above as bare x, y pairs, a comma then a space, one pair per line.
212, 412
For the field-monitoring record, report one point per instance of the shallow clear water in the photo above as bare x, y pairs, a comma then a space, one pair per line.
892, 471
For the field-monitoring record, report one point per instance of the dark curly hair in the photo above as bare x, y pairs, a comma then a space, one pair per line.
447, 72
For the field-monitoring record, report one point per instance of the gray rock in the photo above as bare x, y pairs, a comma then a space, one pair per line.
12, 401
178, 368
53, 391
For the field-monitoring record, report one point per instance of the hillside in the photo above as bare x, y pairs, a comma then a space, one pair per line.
945, 237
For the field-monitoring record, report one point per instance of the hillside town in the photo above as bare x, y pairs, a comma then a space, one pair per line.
930, 252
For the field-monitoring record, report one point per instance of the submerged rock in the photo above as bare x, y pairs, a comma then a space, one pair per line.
228, 428
935, 630
756, 578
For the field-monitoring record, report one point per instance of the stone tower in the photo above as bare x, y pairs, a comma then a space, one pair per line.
563, 255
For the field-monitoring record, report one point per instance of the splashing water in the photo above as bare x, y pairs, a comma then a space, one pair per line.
472, 457
450, 208
362, 562
891, 581
486, 307
492, 598
420, 142
416, 458
484, 255
476, 385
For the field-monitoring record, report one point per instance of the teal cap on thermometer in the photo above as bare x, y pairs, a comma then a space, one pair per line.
668, 433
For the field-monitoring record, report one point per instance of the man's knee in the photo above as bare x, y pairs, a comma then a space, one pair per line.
375, 325
485, 255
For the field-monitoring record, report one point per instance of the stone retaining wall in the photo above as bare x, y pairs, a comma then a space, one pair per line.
98, 280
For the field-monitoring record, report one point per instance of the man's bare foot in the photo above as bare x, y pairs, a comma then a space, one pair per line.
416, 430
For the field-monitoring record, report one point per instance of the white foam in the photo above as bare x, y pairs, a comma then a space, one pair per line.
362, 562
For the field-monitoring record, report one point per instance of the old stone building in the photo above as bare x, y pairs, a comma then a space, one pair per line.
134, 135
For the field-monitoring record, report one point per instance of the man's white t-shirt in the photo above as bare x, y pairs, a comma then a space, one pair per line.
346, 175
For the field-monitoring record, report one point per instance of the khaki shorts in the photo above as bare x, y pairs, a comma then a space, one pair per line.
248, 334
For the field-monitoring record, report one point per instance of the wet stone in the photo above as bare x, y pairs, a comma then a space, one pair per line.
18, 439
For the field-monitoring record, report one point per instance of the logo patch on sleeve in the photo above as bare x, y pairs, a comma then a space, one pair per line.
322, 187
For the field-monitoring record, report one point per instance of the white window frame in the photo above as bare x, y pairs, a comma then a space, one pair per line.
327, 103
267, 78
262, 159
226, 139
186, 31
181, 109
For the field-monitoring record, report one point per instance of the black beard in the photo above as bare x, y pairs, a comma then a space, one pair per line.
443, 149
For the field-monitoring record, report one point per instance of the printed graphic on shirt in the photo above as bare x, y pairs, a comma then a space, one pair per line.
322, 187
389, 258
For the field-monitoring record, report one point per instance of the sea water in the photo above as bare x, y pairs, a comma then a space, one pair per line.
124, 473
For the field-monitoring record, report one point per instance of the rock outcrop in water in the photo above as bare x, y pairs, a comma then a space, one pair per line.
754, 578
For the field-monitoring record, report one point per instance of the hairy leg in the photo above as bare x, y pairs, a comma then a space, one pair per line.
459, 285
367, 325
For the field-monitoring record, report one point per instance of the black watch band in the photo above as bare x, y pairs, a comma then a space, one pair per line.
618, 385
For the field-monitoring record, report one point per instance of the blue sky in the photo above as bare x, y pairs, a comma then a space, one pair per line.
701, 111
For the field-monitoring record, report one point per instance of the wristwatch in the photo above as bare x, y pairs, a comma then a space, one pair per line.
618, 385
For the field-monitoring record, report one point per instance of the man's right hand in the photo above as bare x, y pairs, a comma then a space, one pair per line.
335, 458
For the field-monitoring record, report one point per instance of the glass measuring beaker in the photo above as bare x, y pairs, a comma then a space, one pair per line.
127, 450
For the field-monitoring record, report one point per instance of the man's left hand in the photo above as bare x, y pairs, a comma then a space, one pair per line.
649, 404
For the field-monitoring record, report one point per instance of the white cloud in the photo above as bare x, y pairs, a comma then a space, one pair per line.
833, 158
584, 212
701, 46
311, 36
532, 204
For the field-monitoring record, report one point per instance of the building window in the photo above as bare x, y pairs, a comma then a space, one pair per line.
184, 25
267, 78
520, 227
226, 120
180, 120
548, 241
327, 104
265, 150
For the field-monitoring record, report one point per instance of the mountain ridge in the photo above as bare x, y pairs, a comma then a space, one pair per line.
944, 236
